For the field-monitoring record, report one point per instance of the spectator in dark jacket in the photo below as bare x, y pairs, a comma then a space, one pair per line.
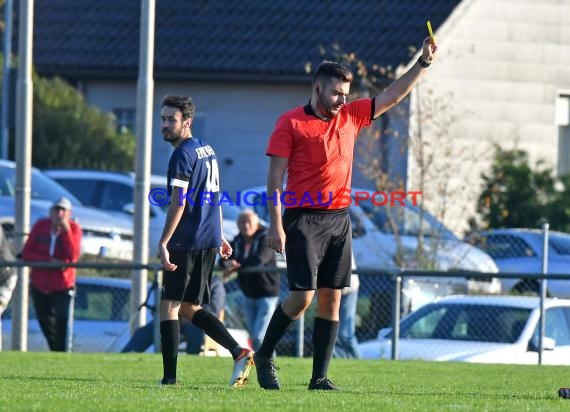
54, 239
261, 290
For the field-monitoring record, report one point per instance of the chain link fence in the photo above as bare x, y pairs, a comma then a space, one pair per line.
103, 313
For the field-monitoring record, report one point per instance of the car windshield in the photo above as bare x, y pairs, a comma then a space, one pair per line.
469, 322
406, 220
561, 244
504, 246
101, 303
42, 186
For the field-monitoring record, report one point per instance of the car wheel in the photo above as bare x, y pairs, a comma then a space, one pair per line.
528, 287
8, 228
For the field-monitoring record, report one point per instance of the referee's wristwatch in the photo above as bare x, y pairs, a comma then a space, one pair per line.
423, 62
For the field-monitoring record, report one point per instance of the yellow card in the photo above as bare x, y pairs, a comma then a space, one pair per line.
430, 31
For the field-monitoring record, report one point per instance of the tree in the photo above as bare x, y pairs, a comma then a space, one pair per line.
516, 195
558, 210
68, 132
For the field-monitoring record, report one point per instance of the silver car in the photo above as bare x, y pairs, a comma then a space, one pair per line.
103, 234
522, 251
113, 193
480, 329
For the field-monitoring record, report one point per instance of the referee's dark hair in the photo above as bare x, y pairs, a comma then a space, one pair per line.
329, 69
182, 103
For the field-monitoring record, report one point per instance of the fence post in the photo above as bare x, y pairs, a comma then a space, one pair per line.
396, 317
300, 336
70, 321
543, 288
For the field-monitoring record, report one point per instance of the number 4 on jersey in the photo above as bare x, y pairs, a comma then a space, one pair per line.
213, 179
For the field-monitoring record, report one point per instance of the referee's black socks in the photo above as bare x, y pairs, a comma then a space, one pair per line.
324, 337
278, 325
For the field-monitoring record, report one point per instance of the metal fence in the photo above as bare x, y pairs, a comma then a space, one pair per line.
103, 313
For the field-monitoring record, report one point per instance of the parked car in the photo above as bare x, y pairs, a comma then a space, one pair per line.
102, 319
521, 251
443, 250
113, 192
373, 231
374, 248
480, 329
102, 232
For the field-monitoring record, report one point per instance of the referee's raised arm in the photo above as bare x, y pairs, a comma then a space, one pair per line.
403, 85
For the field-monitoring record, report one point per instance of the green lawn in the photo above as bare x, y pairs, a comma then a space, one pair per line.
128, 382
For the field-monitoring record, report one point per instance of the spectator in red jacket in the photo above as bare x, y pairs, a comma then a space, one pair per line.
54, 239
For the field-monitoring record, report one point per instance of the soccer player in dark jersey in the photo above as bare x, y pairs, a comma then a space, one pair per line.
314, 144
191, 238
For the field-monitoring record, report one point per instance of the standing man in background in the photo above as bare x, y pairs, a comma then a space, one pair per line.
261, 290
314, 144
191, 238
54, 239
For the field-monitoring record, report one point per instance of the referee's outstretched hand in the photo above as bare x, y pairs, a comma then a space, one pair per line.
429, 49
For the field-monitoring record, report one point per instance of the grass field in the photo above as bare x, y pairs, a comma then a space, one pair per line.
128, 382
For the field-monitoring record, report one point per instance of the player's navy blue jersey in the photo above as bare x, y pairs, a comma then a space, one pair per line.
193, 168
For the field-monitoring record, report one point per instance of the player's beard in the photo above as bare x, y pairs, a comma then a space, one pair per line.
326, 107
170, 137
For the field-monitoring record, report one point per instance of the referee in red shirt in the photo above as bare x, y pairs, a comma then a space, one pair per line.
314, 144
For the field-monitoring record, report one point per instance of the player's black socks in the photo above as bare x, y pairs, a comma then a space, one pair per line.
215, 329
278, 325
170, 340
324, 337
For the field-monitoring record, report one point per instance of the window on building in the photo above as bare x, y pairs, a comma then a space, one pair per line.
562, 119
125, 119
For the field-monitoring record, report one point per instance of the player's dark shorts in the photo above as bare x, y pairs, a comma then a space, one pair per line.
190, 282
318, 248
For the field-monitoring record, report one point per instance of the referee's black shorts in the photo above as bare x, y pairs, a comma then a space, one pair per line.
191, 280
318, 248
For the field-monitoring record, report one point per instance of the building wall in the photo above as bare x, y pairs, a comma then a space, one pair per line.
236, 119
501, 66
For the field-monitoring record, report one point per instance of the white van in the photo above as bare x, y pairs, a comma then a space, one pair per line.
375, 247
